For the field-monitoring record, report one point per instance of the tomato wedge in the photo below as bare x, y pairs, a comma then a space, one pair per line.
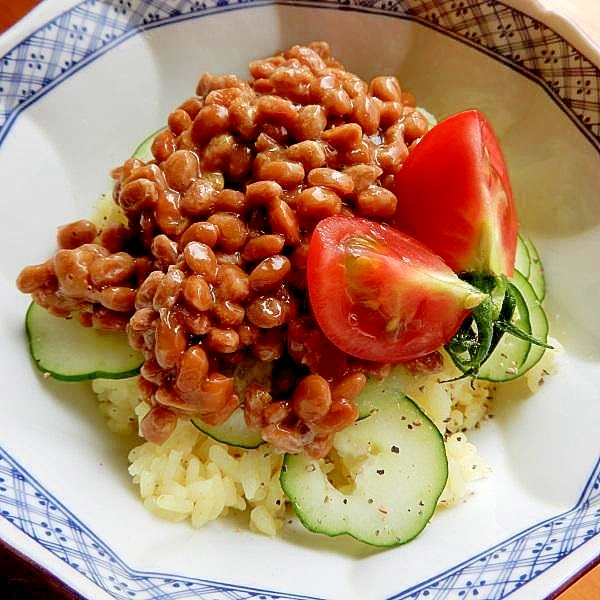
380, 295
454, 195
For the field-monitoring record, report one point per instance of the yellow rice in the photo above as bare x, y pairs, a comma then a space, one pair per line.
193, 478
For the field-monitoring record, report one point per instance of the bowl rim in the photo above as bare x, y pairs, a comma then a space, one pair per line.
55, 11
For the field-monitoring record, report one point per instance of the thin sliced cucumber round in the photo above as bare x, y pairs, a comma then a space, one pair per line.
514, 356
522, 258
536, 270
505, 362
393, 470
68, 351
376, 388
233, 432
144, 149
537, 319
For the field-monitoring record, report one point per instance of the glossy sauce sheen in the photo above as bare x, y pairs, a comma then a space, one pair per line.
209, 269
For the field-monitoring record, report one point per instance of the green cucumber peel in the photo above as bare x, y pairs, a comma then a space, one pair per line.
143, 151
388, 497
523, 257
235, 431
67, 351
504, 325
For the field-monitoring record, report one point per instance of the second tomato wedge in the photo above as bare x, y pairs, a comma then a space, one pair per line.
454, 195
380, 295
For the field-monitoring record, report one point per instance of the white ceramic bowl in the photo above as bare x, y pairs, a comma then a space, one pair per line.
80, 84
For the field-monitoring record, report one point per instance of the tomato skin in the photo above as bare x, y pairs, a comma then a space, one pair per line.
454, 195
379, 295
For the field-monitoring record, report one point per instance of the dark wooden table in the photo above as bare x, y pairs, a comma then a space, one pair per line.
21, 579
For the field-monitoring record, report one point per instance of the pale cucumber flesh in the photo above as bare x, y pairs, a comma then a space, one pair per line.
394, 470
538, 320
68, 351
536, 270
233, 432
522, 258
143, 151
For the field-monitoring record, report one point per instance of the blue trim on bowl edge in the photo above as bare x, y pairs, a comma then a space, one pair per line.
26, 504
492, 574
66, 44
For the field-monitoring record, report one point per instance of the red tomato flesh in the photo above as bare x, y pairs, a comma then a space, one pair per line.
380, 295
454, 195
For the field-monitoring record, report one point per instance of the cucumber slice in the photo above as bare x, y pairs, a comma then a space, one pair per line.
536, 270
390, 469
233, 432
68, 351
144, 150
537, 318
376, 388
514, 356
522, 258
529, 264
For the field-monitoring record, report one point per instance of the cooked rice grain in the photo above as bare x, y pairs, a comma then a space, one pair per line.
195, 478
464, 466
117, 400
191, 476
